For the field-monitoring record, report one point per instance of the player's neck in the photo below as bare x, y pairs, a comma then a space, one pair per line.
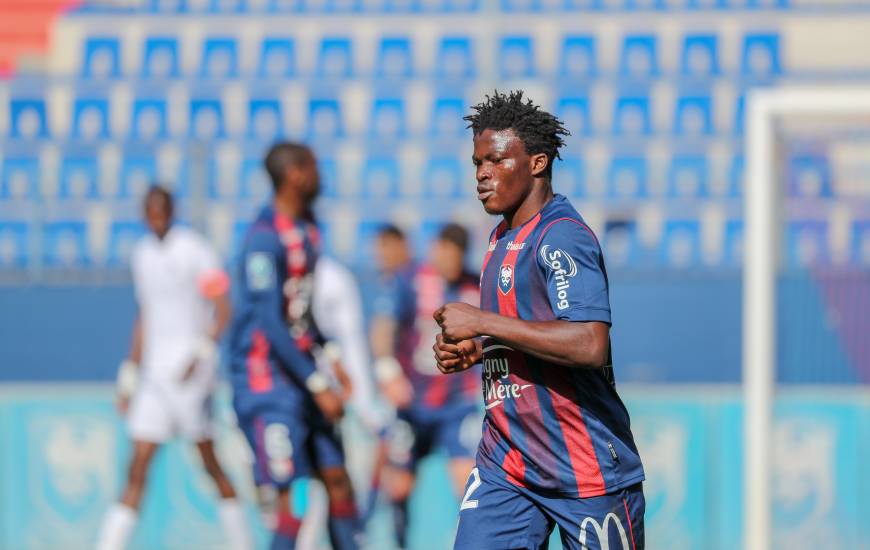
288, 206
537, 198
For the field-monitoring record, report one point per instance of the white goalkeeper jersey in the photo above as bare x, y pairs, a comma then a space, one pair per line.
173, 280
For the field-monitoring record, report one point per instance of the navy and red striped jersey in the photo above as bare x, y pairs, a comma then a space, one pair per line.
411, 298
273, 330
549, 427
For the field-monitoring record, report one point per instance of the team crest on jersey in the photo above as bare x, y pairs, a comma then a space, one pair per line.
506, 278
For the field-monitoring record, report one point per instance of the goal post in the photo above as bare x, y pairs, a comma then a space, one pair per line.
762, 217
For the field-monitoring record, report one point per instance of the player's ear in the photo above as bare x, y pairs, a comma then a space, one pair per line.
538, 163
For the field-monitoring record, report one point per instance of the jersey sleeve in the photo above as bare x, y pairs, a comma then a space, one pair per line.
211, 278
570, 259
261, 283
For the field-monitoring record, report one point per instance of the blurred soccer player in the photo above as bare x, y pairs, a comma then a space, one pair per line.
338, 312
183, 310
433, 412
556, 448
284, 404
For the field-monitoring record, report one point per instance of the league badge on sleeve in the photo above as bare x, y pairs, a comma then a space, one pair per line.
506, 278
260, 271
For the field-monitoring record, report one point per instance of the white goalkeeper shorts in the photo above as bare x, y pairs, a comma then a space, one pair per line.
162, 411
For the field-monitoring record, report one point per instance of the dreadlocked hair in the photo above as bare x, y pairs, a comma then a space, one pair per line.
539, 131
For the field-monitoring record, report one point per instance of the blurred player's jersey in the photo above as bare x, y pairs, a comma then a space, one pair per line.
275, 274
172, 279
549, 427
411, 297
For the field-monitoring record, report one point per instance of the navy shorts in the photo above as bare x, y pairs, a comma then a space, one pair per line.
419, 431
289, 442
498, 515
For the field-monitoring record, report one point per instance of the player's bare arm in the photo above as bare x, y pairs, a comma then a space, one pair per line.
566, 343
214, 286
128, 372
393, 384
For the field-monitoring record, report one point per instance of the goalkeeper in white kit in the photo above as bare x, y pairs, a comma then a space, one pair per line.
166, 384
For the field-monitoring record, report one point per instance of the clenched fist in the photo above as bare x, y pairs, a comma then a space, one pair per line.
458, 322
456, 357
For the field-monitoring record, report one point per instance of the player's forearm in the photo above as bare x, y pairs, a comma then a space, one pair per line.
222, 313
566, 343
383, 337
135, 353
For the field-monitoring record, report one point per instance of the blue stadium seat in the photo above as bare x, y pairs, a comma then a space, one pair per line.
137, 173
736, 175
631, 116
767, 4
380, 178
335, 58
206, 119
459, 6
253, 179
739, 114
517, 57
621, 244
228, 6
700, 57
681, 244
860, 249
167, 6
733, 246
569, 176
160, 57
447, 113
328, 168
149, 119
65, 244
687, 176
79, 178
809, 175
455, 58
395, 58
20, 178
13, 244
90, 118
442, 177
575, 113
639, 56
579, 57
28, 118
324, 119
627, 177
693, 115
761, 55
387, 119
265, 121
102, 57
277, 58
219, 58
807, 243
123, 236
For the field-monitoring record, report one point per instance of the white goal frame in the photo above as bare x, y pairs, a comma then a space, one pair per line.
762, 237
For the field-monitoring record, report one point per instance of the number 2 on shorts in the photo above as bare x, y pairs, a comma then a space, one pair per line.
467, 503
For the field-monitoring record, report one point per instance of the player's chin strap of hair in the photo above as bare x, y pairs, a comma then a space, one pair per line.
128, 378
